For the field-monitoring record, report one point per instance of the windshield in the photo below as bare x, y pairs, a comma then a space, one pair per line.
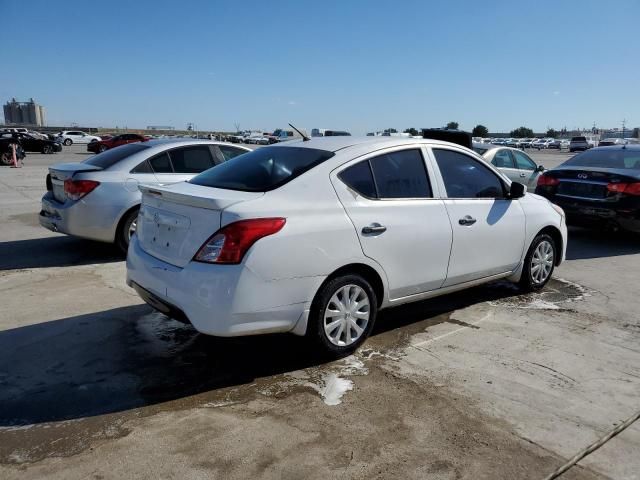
263, 169
111, 157
578, 139
607, 158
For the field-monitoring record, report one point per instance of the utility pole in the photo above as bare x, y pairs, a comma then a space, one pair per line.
624, 122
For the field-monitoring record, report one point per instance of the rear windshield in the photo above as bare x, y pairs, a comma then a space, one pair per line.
111, 157
578, 139
263, 169
480, 150
607, 158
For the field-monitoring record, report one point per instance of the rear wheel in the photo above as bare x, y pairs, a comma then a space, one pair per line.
539, 263
102, 148
126, 230
342, 315
67, 142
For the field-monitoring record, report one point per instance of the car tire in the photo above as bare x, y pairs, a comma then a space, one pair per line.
46, 149
67, 142
539, 263
102, 148
334, 300
126, 228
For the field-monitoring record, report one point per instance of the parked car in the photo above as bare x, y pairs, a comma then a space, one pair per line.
105, 144
99, 197
578, 144
69, 137
294, 238
607, 142
554, 144
31, 143
599, 187
499, 141
514, 163
564, 144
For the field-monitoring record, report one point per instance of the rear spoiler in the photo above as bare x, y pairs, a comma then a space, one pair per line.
453, 136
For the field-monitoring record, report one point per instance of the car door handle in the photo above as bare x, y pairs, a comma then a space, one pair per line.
523, 175
467, 220
374, 228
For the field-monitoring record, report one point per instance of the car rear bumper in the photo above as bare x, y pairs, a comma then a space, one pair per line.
593, 214
220, 300
79, 219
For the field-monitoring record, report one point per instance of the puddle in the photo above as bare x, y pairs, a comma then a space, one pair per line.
558, 294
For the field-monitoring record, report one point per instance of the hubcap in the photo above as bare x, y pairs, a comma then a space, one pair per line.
132, 229
542, 262
347, 315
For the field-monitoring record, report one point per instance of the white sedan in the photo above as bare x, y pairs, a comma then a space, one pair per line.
315, 237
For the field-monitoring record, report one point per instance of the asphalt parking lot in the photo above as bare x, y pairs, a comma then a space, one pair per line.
486, 383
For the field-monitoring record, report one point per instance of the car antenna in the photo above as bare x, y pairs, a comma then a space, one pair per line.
304, 137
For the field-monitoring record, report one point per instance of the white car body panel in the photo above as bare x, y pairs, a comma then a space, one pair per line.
272, 289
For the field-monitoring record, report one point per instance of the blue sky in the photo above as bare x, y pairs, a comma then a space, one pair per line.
357, 65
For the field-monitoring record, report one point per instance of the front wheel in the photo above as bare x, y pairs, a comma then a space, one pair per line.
47, 149
102, 148
342, 315
539, 263
67, 142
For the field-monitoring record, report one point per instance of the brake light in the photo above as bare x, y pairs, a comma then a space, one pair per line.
229, 244
76, 189
545, 180
627, 188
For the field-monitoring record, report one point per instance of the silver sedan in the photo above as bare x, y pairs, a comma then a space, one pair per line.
99, 198
514, 163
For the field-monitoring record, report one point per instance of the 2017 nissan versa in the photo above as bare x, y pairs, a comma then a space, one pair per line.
315, 237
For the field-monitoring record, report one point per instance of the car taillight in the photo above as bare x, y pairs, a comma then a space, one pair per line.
626, 188
76, 189
545, 180
229, 244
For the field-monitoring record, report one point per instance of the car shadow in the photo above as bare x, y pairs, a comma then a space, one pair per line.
587, 243
129, 357
58, 251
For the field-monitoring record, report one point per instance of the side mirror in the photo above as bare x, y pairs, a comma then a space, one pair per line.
540, 168
517, 190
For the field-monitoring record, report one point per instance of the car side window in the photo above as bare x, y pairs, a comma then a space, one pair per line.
503, 159
401, 174
195, 159
144, 167
229, 152
465, 177
523, 162
161, 163
359, 178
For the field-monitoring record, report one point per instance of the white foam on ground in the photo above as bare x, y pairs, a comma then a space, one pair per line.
333, 388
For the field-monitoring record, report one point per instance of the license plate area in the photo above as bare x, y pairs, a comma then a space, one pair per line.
582, 189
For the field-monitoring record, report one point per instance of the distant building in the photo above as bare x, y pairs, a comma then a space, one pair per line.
24, 113
160, 127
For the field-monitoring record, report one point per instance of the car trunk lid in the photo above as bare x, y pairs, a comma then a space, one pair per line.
176, 220
588, 183
63, 171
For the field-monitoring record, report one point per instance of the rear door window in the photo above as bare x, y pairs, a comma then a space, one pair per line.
193, 159
111, 157
160, 163
230, 152
503, 159
465, 177
401, 175
144, 167
262, 169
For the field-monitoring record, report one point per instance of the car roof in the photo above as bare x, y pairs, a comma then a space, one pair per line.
635, 147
